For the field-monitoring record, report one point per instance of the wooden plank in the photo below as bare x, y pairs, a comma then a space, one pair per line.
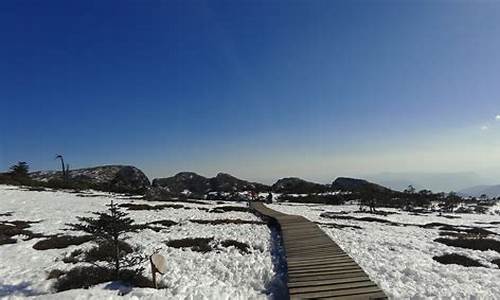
332, 287
369, 296
337, 275
325, 282
338, 293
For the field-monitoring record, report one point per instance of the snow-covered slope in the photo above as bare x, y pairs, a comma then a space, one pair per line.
223, 274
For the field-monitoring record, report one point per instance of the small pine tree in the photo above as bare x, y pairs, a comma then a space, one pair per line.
19, 170
109, 230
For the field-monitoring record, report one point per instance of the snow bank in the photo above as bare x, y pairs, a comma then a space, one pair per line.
222, 274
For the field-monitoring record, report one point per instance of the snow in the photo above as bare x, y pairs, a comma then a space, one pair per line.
223, 274
399, 258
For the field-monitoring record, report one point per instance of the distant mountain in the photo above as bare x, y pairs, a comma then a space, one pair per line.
116, 178
198, 184
437, 182
355, 185
294, 185
491, 191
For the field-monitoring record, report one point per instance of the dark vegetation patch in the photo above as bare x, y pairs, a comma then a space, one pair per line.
90, 195
132, 206
195, 244
156, 225
7, 214
61, 241
481, 244
54, 274
37, 189
363, 219
243, 247
492, 223
8, 229
338, 226
377, 212
165, 223
223, 209
470, 231
496, 262
85, 277
204, 245
227, 221
450, 216
457, 259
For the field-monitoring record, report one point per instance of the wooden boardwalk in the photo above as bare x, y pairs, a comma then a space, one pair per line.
317, 267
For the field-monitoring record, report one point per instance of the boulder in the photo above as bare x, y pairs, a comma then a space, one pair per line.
114, 178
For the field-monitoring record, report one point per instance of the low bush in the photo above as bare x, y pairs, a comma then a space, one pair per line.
85, 277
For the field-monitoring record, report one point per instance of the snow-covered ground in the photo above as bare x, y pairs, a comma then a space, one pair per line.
223, 274
399, 258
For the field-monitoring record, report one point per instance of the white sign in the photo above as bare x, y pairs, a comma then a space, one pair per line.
158, 261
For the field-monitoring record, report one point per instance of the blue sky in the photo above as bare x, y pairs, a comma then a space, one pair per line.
260, 89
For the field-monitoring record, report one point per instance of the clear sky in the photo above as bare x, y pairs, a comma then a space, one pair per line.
259, 89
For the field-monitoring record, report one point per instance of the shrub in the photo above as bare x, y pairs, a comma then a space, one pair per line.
85, 277
109, 230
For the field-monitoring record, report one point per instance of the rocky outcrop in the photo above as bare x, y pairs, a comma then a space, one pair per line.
356, 185
114, 178
200, 185
184, 181
294, 185
226, 183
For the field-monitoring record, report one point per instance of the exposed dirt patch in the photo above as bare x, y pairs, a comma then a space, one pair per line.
457, 259
223, 209
474, 244
227, 221
61, 241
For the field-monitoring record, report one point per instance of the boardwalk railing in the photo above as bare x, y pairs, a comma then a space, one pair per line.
317, 267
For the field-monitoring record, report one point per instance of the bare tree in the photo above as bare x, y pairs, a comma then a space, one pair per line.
64, 175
